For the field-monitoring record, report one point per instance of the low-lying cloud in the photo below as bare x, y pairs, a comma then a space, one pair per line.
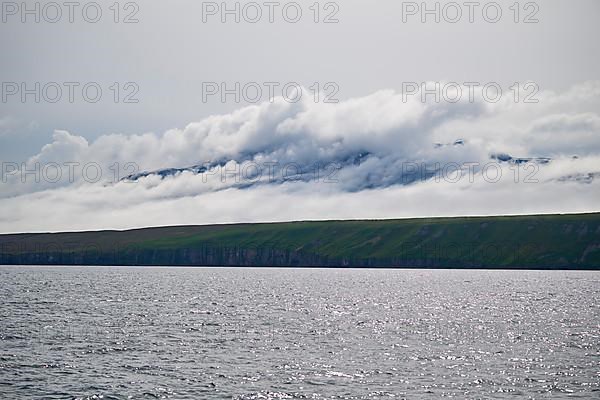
371, 157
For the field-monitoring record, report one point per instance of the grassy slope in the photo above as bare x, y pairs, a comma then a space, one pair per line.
528, 241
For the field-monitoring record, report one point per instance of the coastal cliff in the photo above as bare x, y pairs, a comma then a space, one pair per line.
538, 241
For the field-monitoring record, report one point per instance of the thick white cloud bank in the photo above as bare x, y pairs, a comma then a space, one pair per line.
377, 156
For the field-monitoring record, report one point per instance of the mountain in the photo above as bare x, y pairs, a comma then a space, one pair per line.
569, 241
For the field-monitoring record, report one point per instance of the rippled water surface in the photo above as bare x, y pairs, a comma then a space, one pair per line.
205, 333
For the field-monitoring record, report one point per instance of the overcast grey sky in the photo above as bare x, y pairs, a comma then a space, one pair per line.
171, 51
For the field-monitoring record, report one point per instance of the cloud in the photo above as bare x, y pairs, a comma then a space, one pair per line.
577, 133
11, 126
376, 156
184, 200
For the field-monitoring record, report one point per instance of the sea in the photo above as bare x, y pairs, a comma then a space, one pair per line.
276, 333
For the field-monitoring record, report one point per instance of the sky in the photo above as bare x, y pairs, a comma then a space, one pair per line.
132, 114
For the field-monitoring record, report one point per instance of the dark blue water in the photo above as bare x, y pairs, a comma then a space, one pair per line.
202, 333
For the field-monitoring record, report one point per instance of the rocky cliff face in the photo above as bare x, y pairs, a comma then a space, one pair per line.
545, 242
267, 257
